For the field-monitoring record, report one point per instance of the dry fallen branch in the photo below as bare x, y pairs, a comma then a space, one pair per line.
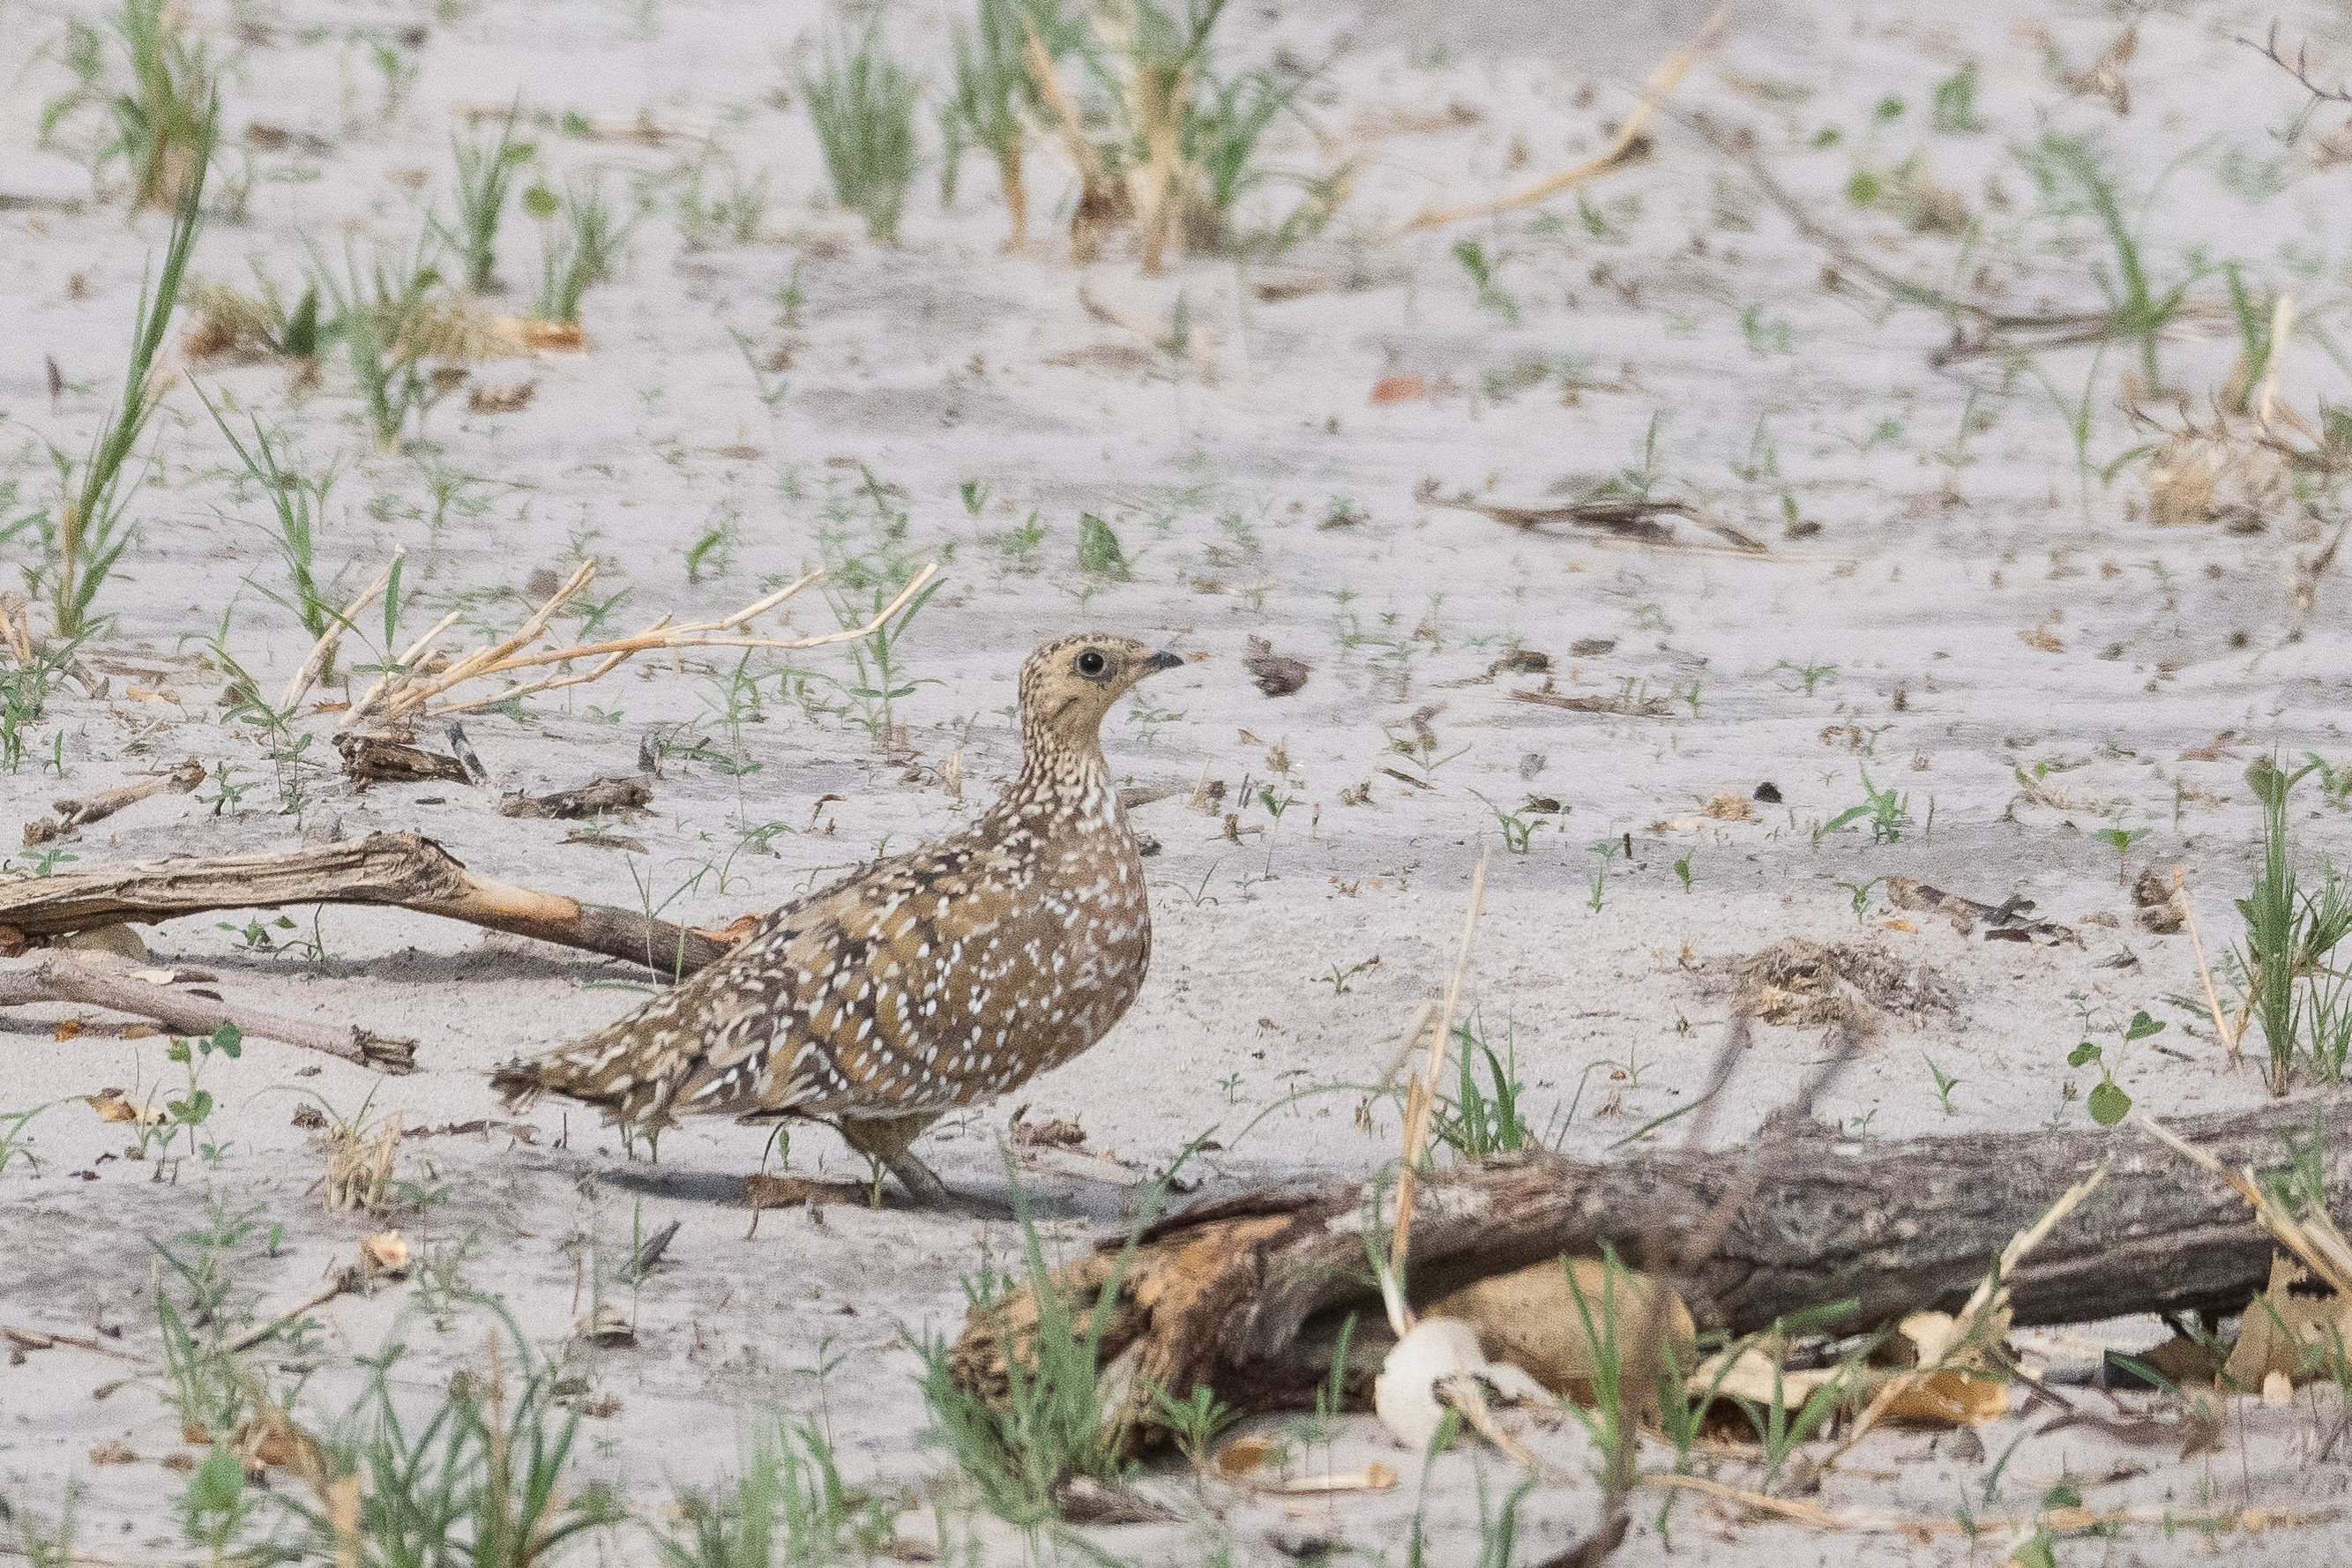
73, 814
1625, 148
141, 992
1247, 1295
403, 869
1634, 523
410, 693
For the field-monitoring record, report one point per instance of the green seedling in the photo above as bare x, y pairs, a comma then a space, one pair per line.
486, 165
1100, 553
1861, 891
1338, 978
1195, 1422
2109, 1102
14, 1142
195, 1108
1483, 268
863, 105
1944, 1084
1683, 870
2121, 841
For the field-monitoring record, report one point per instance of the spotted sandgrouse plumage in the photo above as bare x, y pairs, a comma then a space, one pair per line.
921, 983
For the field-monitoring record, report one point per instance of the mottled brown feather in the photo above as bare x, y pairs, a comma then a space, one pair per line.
927, 981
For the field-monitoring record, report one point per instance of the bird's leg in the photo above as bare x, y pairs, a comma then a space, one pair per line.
886, 1139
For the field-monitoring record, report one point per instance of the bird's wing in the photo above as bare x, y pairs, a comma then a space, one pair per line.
866, 1000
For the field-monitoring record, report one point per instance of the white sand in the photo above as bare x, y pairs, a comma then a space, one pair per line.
943, 361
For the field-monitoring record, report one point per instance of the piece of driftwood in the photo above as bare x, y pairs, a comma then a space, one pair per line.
401, 869
1247, 1295
597, 797
73, 814
155, 994
380, 759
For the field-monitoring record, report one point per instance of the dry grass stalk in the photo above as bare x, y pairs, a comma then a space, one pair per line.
1986, 1314
1102, 202
1420, 1097
410, 693
359, 1163
16, 627
323, 652
1664, 77
2311, 1237
2222, 1022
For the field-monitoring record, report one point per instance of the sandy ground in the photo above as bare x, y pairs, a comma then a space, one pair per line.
1938, 635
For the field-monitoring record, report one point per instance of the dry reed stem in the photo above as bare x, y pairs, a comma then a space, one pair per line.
1976, 1316
1664, 77
2196, 946
1419, 1097
16, 632
2313, 1238
323, 652
400, 696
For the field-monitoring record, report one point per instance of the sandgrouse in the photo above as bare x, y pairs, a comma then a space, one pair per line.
927, 981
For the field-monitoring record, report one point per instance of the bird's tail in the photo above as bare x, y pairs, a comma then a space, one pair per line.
520, 1083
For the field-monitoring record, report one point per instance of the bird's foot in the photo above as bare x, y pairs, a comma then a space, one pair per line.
925, 1190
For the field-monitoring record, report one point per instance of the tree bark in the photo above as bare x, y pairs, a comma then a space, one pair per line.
1247, 1294
399, 868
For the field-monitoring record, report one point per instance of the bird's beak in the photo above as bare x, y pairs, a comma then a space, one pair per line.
1159, 661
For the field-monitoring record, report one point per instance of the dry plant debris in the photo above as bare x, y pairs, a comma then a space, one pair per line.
1798, 982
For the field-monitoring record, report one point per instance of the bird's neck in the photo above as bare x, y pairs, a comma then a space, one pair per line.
1063, 784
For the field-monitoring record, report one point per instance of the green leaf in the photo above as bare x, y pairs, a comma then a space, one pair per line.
1098, 549
2142, 1027
538, 201
2084, 1053
2109, 1103
218, 1484
229, 1040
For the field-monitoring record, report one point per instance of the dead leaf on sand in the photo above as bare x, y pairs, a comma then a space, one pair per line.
111, 1106
113, 1451
386, 1252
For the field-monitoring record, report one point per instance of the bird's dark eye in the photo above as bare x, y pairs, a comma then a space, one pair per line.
1090, 663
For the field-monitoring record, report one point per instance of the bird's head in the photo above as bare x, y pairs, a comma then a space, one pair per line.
1068, 685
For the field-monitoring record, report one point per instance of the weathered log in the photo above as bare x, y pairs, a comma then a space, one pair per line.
1247, 1294
399, 868
148, 993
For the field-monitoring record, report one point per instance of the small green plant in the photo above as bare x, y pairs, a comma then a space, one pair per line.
1100, 553
2110, 1102
482, 1480
580, 242
1887, 812
862, 103
163, 122
1482, 1119
789, 1507
1339, 977
1195, 1421
1861, 892
383, 315
1809, 673
43, 1546
299, 503
1483, 268
1607, 849
14, 1142
1050, 1423
738, 213
84, 532
195, 1108
1944, 1084
2121, 840
1519, 827
2072, 177
216, 1508
2289, 986
1683, 870
487, 164
1955, 112
881, 679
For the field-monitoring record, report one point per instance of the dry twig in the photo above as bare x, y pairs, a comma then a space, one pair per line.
409, 693
143, 992
1624, 149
